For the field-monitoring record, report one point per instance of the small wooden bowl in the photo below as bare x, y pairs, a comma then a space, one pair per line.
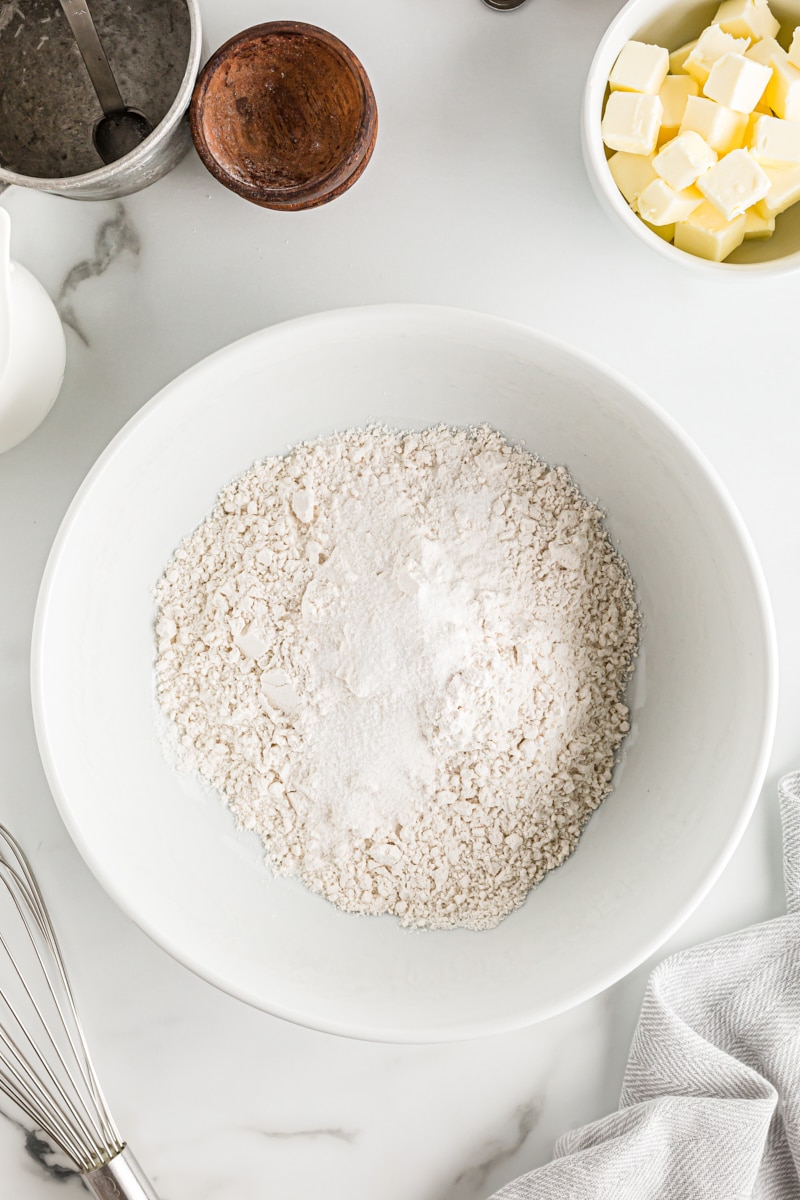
284, 115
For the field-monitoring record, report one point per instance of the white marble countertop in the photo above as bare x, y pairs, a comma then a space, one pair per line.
476, 197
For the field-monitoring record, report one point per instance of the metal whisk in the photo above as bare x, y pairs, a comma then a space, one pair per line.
45, 1068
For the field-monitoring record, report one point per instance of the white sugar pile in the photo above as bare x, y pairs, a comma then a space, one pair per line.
401, 658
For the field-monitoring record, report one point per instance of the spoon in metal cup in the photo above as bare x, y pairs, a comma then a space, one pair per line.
121, 129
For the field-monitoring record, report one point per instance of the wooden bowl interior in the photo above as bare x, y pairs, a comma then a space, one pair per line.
283, 110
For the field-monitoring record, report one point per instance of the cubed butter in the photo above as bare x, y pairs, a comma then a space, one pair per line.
675, 91
784, 190
734, 184
631, 173
684, 159
678, 57
631, 122
794, 49
659, 204
706, 138
708, 235
783, 90
666, 232
746, 18
737, 82
711, 45
762, 52
775, 143
640, 67
757, 227
721, 127
751, 124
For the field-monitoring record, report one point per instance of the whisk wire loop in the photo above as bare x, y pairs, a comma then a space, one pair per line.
82, 1057
18, 1089
62, 1097
34, 1084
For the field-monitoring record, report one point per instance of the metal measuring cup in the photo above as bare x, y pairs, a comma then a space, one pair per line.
156, 155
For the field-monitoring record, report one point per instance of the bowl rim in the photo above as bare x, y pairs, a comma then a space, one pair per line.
603, 185
521, 1015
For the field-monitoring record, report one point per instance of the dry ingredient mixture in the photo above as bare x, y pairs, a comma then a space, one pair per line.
401, 659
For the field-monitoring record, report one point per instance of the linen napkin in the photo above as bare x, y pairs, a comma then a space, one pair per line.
710, 1105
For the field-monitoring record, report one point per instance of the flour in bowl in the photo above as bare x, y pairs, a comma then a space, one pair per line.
401, 659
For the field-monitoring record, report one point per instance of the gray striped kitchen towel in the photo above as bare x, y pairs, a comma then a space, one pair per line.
710, 1105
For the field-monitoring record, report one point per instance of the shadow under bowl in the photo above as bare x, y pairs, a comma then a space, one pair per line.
284, 115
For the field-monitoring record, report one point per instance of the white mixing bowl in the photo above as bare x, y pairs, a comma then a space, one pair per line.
703, 695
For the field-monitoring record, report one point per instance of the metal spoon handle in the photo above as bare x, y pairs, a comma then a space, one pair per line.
94, 56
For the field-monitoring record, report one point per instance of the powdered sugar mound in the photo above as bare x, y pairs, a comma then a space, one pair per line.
401, 659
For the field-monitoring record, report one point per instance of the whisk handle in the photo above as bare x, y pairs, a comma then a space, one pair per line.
121, 1179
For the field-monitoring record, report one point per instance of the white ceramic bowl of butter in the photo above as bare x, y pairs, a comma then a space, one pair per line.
672, 23
703, 696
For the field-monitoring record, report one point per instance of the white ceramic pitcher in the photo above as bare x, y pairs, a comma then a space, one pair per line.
32, 347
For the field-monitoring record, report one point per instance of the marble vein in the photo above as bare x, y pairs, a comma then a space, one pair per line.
44, 1154
39, 1149
342, 1135
113, 238
473, 1181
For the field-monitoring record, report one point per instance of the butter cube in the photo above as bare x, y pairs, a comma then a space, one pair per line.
783, 90
684, 159
631, 173
784, 190
708, 235
775, 143
746, 18
640, 67
721, 127
734, 183
659, 204
678, 57
757, 226
794, 49
675, 91
751, 125
737, 82
667, 232
711, 45
631, 122
763, 51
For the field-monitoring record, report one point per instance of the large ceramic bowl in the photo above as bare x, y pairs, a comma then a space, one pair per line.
672, 23
703, 695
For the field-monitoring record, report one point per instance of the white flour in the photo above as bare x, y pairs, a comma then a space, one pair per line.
401, 659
